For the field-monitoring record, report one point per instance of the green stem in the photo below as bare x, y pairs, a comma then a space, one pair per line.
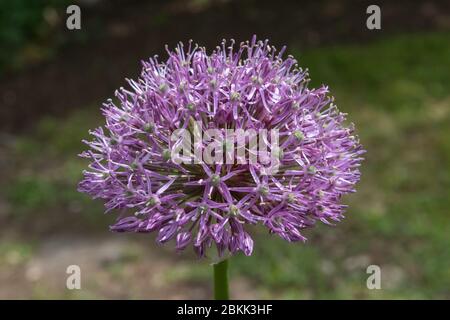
221, 280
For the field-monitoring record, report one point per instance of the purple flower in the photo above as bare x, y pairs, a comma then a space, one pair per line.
132, 167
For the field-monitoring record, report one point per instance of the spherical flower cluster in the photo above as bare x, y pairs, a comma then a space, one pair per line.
206, 205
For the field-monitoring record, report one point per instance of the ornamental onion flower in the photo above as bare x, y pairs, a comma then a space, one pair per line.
210, 206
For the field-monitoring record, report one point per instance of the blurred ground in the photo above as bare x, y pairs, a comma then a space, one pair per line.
394, 84
111, 268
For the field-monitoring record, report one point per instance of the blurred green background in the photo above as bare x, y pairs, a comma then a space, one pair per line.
394, 84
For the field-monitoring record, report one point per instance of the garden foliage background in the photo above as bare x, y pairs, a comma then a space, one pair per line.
394, 84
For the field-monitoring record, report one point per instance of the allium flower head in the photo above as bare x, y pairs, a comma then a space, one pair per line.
132, 166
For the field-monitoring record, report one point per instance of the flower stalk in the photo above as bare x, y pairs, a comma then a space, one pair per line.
221, 280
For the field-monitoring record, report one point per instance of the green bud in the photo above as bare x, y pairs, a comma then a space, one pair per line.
290, 198
190, 107
149, 127
256, 80
134, 166
182, 87
163, 87
166, 154
128, 193
202, 209
299, 135
234, 96
263, 190
233, 210
215, 180
154, 200
312, 169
